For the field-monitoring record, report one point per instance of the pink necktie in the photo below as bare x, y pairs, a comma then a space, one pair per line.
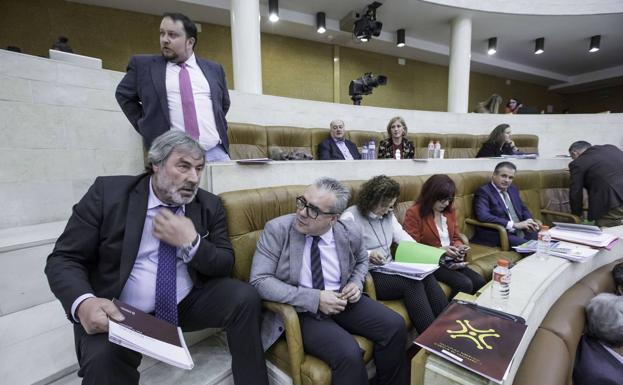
188, 103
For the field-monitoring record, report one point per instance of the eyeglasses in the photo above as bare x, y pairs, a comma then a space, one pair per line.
449, 200
312, 211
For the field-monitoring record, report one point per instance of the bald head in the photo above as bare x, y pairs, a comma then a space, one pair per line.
338, 130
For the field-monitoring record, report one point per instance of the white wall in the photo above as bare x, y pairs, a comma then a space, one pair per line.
61, 127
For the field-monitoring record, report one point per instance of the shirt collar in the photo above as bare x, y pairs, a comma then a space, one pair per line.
327, 237
153, 201
497, 189
190, 62
339, 140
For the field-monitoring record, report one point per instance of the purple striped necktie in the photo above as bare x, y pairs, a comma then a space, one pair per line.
166, 281
188, 103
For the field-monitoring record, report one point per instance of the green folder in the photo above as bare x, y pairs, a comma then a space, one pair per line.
413, 252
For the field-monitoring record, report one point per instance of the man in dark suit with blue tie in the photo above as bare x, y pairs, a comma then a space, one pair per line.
337, 146
158, 243
499, 202
176, 90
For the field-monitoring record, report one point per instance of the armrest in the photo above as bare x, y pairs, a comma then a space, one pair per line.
501, 231
293, 336
368, 286
574, 218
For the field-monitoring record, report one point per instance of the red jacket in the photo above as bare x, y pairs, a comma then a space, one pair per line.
425, 230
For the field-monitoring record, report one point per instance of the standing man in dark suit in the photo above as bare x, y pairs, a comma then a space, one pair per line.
317, 264
177, 91
599, 169
337, 146
499, 202
159, 243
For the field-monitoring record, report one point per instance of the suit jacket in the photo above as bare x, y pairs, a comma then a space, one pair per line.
277, 261
489, 207
424, 230
600, 170
595, 365
327, 150
386, 149
142, 95
98, 248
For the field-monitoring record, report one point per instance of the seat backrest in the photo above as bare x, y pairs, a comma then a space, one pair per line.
527, 143
287, 139
318, 135
529, 182
246, 141
363, 137
554, 190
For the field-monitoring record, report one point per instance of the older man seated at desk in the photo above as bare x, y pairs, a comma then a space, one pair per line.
337, 146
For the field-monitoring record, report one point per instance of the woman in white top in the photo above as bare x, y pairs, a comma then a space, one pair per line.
424, 299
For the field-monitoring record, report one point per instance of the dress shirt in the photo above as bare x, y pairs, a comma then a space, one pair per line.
342, 146
329, 259
140, 288
442, 229
613, 352
510, 223
208, 134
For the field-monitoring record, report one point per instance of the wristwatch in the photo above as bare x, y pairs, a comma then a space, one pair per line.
186, 249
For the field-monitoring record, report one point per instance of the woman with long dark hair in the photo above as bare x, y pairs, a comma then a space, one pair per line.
499, 143
424, 299
432, 221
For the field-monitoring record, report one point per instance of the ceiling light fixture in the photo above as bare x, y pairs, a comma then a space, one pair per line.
321, 22
539, 46
493, 46
595, 43
400, 38
273, 10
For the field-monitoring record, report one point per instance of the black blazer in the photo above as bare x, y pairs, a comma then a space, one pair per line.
600, 170
328, 150
98, 248
142, 95
491, 149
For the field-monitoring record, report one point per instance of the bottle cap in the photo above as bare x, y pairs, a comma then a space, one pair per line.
503, 262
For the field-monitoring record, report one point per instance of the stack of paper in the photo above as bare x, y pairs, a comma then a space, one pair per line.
413, 260
582, 236
573, 251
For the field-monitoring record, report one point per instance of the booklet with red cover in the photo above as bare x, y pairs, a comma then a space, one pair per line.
479, 339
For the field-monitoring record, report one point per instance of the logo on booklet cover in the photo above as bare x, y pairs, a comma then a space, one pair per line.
475, 335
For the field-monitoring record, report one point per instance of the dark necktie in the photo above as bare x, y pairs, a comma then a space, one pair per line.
512, 212
188, 103
316, 265
166, 281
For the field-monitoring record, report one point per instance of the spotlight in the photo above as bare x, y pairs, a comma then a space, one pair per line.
321, 22
493, 46
364, 86
365, 25
400, 38
595, 42
539, 46
273, 10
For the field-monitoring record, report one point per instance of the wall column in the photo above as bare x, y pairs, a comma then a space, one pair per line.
460, 56
245, 44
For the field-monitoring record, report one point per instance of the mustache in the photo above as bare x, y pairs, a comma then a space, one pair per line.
189, 186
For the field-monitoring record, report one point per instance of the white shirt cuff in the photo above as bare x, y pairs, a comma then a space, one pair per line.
77, 303
509, 226
189, 257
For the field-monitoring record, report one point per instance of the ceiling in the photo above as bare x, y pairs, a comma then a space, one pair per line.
566, 65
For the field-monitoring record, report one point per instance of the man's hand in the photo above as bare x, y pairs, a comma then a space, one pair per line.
174, 229
93, 314
331, 303
529, 224
351, 293
377, 258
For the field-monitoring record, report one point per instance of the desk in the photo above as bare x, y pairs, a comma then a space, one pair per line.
535, 286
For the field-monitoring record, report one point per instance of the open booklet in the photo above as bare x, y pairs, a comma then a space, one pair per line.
479, 339
149, 335
413, 260
567, 250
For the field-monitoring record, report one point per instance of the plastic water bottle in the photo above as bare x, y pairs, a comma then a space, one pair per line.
501, 284
431, 149
397, 154
372, 149
364, 152
544, 243
437, 150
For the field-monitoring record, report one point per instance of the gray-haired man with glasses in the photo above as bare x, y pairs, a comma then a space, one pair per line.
317, 263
